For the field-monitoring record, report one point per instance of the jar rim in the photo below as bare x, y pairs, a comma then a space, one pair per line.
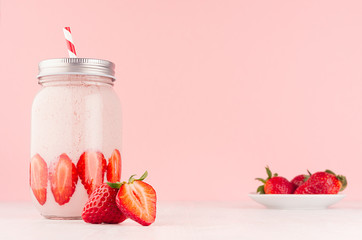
77, 66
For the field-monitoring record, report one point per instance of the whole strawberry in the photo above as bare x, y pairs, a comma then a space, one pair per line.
323, 183
275, 184
137, 200
300, 179
101, 206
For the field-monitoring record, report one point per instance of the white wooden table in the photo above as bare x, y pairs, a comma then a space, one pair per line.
194, 220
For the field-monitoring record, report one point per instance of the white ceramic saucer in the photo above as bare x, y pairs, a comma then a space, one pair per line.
297, 201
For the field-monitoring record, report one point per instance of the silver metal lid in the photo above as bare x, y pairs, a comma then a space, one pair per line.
75, 66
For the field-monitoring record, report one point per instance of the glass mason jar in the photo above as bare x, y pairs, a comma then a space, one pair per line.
75, 134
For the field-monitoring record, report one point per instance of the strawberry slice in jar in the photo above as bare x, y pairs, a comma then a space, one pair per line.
63, 178
114, 167
91, 169
39, 178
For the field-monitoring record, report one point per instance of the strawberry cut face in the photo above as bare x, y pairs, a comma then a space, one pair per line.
39, 178
63, 178
137, 201
91, 168
114, 167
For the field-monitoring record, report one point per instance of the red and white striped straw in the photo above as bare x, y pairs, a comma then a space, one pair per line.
70, 43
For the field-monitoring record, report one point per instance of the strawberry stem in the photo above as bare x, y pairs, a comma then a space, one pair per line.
143, 177
131, 178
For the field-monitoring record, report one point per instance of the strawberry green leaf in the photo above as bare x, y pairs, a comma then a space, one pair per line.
343, 180
260, 189
268, 172
306, 177
330, 172
116, 185
260, 179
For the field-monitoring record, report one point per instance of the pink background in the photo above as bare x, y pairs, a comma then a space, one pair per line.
212, 91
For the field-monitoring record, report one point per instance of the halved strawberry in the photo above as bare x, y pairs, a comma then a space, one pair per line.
63, 178
114, 167
39, 178
137, 200
91, 168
